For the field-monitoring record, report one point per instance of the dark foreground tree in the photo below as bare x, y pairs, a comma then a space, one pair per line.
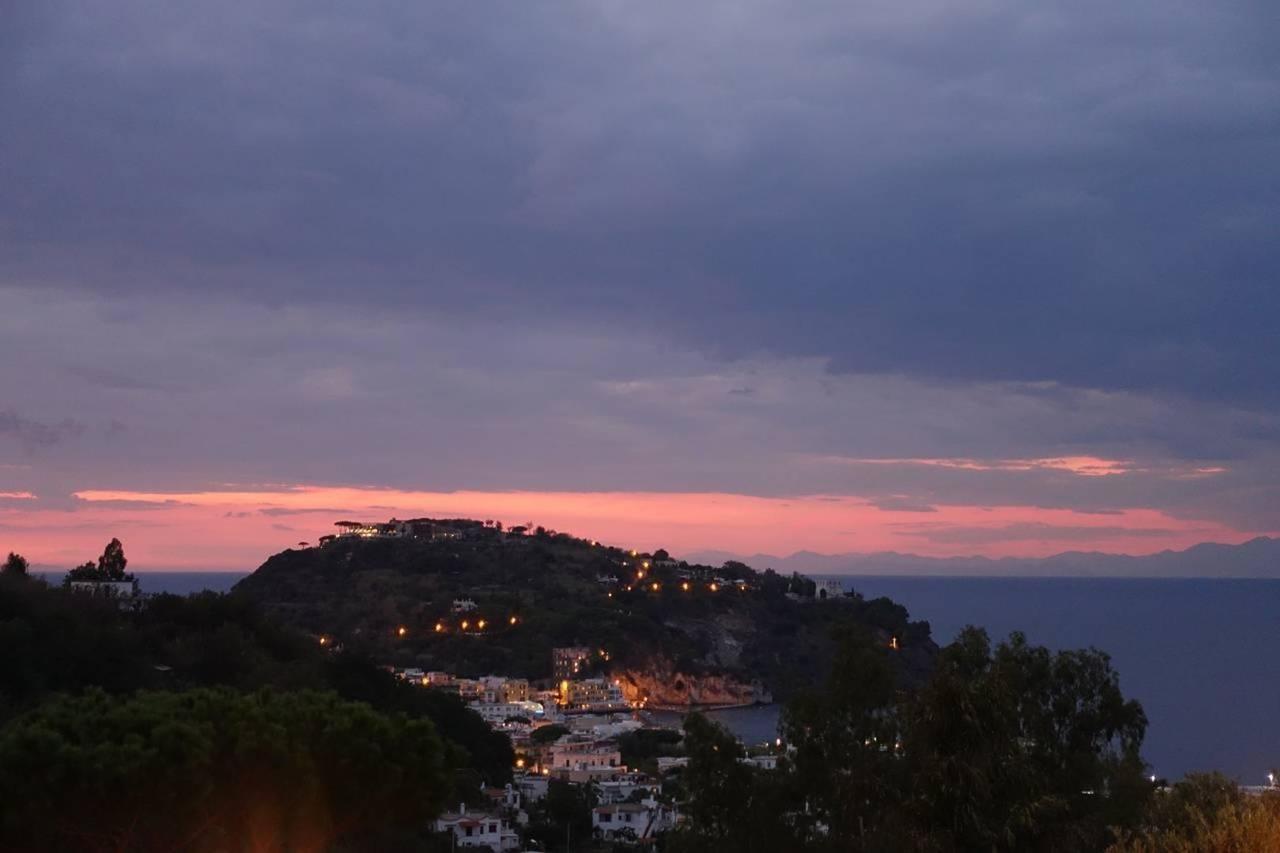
16, 566
1022, 749
110, 567
213, 770
1012, 749
731, 806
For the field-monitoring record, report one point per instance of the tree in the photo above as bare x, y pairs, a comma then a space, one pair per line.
15, 566
1212, 820
112, 562
567, 813
548, 734
109, 568
214, 770
845, 742
1022, 748
732, 806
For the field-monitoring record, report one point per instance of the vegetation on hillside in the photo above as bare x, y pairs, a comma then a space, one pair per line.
57, 641
214, 770
394, 597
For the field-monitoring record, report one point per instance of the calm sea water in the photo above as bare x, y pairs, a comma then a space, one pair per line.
1203, 656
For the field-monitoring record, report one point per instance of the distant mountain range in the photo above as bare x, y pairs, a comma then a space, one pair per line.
1257, 558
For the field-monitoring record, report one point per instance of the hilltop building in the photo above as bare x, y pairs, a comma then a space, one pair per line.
568, 661
828, 588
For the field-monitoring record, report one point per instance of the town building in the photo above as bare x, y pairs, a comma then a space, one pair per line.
478, 829
632, 821
362, 530
497, 713
110, 589
592, 694
499, 688
568, 661
828, 588
584, 760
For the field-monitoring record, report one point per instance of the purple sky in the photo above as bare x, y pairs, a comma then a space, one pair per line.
995, 278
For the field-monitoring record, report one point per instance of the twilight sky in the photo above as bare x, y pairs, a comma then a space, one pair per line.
995, 277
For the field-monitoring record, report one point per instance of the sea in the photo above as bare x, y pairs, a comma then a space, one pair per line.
1202, 656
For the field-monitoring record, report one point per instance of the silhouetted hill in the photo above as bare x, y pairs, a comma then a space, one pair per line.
677, 629
1257, 558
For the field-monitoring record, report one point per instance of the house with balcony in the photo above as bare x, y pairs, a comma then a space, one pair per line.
478, 829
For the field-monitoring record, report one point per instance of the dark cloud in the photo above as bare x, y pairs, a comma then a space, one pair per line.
1060, 192
32, 434
719, 247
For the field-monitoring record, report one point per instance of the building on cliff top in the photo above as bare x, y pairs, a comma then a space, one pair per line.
568, 661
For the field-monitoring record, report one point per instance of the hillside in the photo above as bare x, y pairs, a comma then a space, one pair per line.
1256, 558
686, 634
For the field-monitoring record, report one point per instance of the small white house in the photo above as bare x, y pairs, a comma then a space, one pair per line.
632, 821
478, 829
112, 589
828, 588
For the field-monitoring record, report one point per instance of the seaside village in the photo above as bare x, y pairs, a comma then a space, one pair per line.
566, 730
580, 720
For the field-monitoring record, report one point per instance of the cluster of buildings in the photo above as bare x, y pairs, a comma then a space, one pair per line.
630, 809
590, 714
431, 529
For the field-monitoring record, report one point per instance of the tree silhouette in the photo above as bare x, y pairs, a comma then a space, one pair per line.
112, 562
15, 566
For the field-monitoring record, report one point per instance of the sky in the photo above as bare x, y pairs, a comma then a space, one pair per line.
987, 278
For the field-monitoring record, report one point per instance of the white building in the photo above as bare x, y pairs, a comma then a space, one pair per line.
828, 588
623, 787
496, 713
111, 589
762, 762
532, 786
478, 829
632, 821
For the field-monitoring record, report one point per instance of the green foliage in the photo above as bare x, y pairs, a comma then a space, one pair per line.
1010, 749
548, 734
213, 770
1023, 748
110, 567
1208, 816
731, 806
562, 819
844, 738
362, 591
642, 747
57, 641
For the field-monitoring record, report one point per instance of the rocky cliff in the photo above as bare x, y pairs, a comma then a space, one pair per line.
662, 685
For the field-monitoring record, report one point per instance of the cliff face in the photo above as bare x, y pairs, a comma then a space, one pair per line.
662, 686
